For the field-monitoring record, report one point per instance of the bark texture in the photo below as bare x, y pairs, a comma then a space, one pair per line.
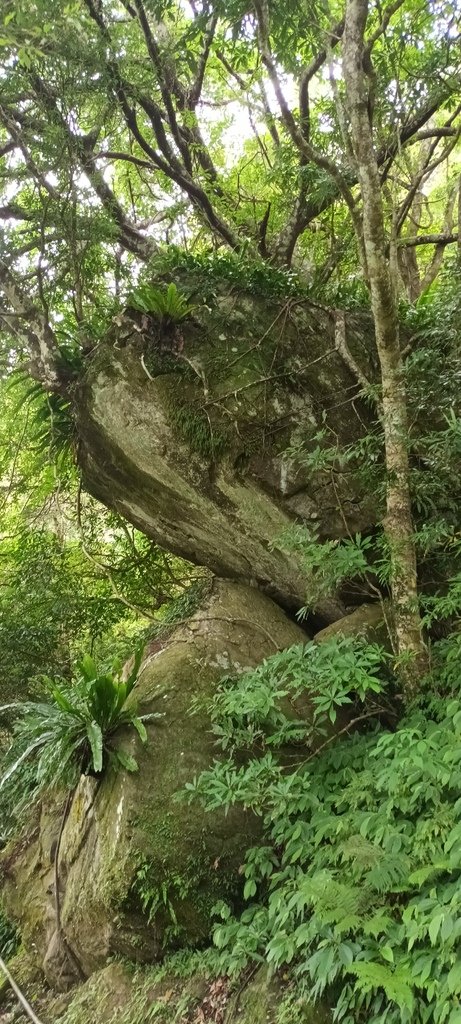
398, 523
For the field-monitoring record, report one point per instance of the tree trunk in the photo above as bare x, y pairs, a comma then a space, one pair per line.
398, 523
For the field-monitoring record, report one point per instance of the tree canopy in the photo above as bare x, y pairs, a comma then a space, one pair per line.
126, 126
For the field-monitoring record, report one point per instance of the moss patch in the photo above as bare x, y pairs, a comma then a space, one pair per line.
187, 990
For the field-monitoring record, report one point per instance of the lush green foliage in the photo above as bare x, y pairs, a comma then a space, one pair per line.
53, 743
73, 576
161, 163
294, 696
169, 305
357, 883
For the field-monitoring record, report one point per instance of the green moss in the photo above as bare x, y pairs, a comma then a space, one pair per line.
180, 905
123, 994
184, 983
195, 428
25, 973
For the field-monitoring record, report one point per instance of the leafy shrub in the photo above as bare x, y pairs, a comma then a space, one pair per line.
54, 742
357, 882
267, 706
210, 269
330, 563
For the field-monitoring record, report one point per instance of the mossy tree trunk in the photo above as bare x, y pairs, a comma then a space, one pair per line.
398, 522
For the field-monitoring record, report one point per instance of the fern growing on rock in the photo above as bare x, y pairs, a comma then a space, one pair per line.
54, 741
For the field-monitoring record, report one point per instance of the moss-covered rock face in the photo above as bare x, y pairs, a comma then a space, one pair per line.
372, 621
138, 871
191, 445
119, 994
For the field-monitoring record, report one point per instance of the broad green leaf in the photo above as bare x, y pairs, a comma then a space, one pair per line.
127, 761
95, 739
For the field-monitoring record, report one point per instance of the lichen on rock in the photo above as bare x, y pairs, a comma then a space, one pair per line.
191, 446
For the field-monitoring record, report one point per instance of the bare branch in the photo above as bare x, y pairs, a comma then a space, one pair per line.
13, 211
15, 135
388, 14
83, 148
196, 89
114, 155
435, 239
434, 133
304, 147
333, 37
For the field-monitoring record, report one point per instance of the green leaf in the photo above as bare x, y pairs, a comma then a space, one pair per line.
64, 703
434, 927
396, 984
138, 656
94, 734
127, 761
138, 724
87, 667
454, 979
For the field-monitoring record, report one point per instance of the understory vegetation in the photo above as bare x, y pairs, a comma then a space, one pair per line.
356, 886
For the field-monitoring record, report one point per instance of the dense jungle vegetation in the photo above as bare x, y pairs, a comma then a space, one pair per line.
230, 492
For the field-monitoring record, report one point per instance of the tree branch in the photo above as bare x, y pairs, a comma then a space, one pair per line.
196, 89
37, 332
430, 239
388, 14
312, 155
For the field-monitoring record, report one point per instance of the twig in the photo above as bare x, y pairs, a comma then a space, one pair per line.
19, 995
265, 380
146, 371
335, 735
226, 618
117, 596
344, 351
57, 901
234, 1001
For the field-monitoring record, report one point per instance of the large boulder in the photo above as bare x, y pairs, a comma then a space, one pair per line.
186, 435
138, 871
372, 622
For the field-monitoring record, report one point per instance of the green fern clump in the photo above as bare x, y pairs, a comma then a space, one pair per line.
50, 421
169, 305
55, 741
356, 889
